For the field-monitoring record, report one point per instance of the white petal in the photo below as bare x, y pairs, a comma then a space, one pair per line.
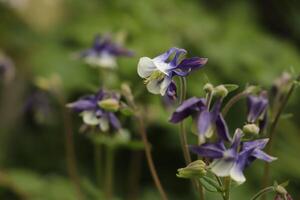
164, 85
145, 67
162, 66
237, 174
104, 60
154, 87
104, 126
221, 167
89, 117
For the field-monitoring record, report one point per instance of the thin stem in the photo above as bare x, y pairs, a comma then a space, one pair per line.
233, 101
98, 164
143, 133
183, 137
109, 170
149, 157
227, 182
272, 134
262, 192
70, 152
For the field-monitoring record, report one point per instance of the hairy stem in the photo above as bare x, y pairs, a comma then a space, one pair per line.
262, 192
149, 158
109, 170
272, 134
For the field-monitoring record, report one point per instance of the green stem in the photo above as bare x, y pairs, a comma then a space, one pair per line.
98, 164
183, 134
183, 138
109, 170
262, 192
233, 101
227, 182
272, 134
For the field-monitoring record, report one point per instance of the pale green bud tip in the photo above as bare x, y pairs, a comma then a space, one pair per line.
281, 190
221, 91
251, 129
196, 169
208, 88
109, 104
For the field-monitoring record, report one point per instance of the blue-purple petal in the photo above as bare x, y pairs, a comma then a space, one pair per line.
209, 150
187, 108
222, 129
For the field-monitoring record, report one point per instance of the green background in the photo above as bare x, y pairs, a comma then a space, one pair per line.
245, 41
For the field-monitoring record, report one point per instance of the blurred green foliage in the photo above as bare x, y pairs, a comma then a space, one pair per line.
243, 43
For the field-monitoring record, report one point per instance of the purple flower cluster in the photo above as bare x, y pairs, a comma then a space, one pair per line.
229, 157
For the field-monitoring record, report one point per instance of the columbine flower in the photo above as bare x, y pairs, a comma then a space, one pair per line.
257, 109
207, 120
159, 71
233, 160
93, 114
104, 52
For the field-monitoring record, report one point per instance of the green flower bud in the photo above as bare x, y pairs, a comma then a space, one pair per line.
127, 93
220, 91
196, 169
280, 190
251, 129
109, 104
208, 88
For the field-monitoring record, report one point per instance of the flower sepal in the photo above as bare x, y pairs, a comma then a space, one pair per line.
111, 104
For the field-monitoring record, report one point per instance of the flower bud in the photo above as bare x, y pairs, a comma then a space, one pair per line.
220, 91
280, 190
196, 169
109, 104
126, 91
208, 88
251, 129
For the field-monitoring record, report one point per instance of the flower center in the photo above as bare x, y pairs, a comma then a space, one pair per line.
156, 75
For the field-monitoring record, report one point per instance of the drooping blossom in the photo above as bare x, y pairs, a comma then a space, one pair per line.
104, 52
207, 120
233, 160
93, 114
257, 109
158, 72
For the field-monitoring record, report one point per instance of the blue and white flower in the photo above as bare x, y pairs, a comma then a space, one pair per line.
93, 114
233, 160
104, 52
159, 71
